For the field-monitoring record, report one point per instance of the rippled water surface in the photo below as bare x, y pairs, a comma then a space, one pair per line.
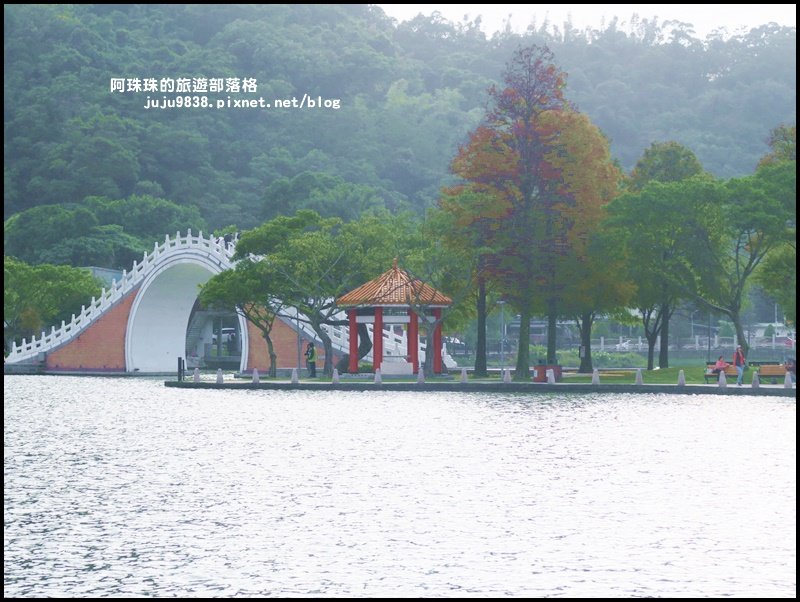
120, 487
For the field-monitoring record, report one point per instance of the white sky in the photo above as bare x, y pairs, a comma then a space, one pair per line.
705, 17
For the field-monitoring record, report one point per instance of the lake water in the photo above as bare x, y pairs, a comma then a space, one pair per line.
121, 487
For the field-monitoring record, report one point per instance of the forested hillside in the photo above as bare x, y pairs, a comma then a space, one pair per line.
409, 94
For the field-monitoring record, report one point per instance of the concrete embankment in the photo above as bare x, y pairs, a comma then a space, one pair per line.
488, 387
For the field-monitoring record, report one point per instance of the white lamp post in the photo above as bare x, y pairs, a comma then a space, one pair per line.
502, 334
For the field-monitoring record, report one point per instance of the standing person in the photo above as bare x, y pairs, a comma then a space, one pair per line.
311, 360
740, 363
791, 368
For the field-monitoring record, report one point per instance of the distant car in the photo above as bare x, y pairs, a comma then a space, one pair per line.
228, 334
624, 346
455, 346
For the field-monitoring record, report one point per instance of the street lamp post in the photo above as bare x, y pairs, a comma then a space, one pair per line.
502, 334
299, 342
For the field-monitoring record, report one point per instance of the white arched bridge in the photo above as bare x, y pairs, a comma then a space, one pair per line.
145, 321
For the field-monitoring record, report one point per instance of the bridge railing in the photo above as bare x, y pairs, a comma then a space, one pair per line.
394, 343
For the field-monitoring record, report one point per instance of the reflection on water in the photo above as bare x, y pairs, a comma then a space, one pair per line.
120, 487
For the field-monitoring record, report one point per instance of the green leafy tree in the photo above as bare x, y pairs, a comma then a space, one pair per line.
146, 217
778, 272
778, 277
783, 144
663, 162
466, 221
410, 92
98, 232
597, 287
38, 296
730, 244
318, 259
328, 195
654, 230
250, 288
104, 246
435, 261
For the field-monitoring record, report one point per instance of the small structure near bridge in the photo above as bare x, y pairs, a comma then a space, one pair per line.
395, 297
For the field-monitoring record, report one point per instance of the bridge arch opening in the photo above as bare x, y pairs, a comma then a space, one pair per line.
213, 339
159, 318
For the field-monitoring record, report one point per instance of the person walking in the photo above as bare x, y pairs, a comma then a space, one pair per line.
740, 363
311, 360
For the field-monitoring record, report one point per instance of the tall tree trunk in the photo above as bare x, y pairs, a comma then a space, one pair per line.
427, 366
480, 351
364, 341
585, 328
364, 347
740, 335
551, 334
327, 345
273, 357
651, 320
523, 369
663, 353
651, 349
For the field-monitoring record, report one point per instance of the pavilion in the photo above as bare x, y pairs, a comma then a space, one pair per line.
395, 297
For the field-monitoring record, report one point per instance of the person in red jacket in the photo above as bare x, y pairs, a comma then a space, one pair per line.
739, 362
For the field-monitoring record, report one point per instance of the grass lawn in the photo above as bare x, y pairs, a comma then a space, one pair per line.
667, 376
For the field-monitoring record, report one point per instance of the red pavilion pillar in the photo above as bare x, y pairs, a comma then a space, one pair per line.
353, 332
437, 343
377, 339
413, 340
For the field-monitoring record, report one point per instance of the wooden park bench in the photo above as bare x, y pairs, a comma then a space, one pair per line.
730, 371
773, 371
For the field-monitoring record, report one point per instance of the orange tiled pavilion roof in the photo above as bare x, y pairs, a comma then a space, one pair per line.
395, 287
